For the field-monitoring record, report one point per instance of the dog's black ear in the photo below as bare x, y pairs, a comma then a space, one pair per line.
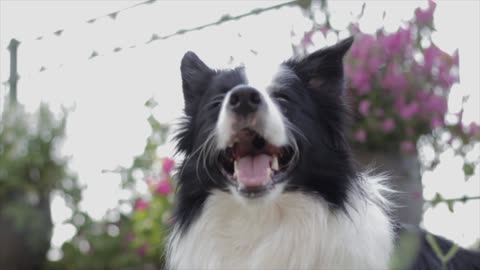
195, 77
324, 66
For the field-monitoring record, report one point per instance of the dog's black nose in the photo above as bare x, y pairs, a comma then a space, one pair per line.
244, 100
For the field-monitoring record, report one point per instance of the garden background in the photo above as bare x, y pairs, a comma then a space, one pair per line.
86, 180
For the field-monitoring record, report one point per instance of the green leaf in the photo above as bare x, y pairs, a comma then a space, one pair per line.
468, 169
436, 200
305, 4
450, 205
151, 103
225, 17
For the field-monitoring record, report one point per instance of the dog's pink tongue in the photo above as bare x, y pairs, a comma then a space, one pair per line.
253, 171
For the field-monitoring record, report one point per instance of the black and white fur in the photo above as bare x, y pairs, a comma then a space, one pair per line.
316, 212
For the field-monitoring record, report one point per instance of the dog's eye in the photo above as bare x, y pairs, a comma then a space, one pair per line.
215, 104
281, 98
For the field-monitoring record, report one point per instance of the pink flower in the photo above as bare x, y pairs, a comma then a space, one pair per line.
455, 60
362, 47
422, 95
361, 135
425, 17
142, 251
374, 63
396, 42
409, 111
364, 107
307, 39
168, 165
394, 79
473, 129
445, 77
436, 104
388, 125
141, 205
407, 147
435, 122
164, 187
360, 80
430, 55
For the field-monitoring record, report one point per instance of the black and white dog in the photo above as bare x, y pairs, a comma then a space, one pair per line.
268, 180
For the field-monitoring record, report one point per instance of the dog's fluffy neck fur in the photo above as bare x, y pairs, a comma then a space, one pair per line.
294, 231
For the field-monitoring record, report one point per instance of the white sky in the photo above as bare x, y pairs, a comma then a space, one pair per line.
108, 127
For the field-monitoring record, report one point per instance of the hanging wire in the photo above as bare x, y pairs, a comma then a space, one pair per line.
111, 15
154, 37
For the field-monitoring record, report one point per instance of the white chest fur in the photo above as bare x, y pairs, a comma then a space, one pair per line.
295, 231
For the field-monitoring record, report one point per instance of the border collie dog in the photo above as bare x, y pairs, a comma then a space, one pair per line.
268, 180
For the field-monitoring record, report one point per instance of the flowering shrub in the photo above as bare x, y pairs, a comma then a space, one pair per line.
32, 170
152, 216
398, 86
132, 239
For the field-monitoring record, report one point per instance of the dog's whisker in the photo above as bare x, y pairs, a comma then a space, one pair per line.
203, 155
296, 152
209, 155
198, 151
293, 128
188, 159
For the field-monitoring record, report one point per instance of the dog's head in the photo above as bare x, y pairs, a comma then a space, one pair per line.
257, 141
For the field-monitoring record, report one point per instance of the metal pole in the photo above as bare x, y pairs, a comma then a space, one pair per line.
12, 47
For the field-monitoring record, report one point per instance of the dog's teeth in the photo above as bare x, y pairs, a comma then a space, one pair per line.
241, 186
235, 168
275, 163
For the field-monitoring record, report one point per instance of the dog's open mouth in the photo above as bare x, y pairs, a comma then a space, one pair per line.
254, 164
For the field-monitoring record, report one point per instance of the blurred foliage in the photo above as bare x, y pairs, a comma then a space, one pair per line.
30, 162
398, 86
31, 169
132, 240
98, 245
